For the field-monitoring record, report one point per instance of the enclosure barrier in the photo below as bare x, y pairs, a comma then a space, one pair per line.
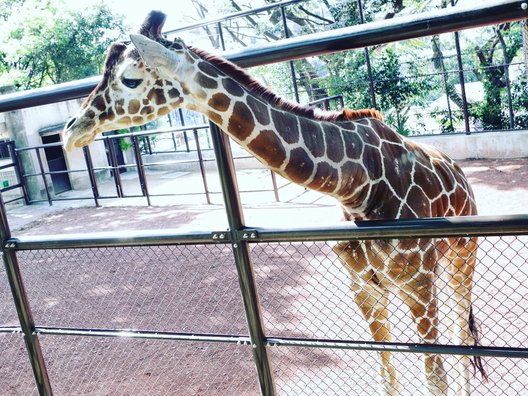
292, 299
140, 146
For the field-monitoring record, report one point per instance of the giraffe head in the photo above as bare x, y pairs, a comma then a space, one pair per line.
131, 93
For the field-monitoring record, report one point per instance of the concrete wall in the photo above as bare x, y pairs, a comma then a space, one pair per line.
488, 145
23, 127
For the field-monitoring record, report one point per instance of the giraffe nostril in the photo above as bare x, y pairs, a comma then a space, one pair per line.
71, 122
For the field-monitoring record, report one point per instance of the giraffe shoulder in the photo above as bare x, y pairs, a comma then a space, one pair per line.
350, 115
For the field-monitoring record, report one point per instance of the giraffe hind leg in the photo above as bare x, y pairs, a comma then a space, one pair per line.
420, 296
461, 266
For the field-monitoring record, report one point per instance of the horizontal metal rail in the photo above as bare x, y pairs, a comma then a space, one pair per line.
419, 228
519, 353
144, 334
374, 33
430, 228
489, 351
115, 239
234, 15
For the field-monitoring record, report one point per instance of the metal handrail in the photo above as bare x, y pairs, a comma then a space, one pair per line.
234, 15
369, 34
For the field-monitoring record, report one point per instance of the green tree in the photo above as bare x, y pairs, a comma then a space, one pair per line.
396, 91
44, 43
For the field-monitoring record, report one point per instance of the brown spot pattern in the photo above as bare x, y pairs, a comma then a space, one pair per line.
372, 162
205, 82
164, 110
300, 166
334, 143
269, 147
215, 117
174, 93
146, 110
157, 95
219, 101
312, 136
325, 178
208, 69
241, 122
99, 103
232, 87
353, 144
286, 126
260, 110
133, 106
353, 175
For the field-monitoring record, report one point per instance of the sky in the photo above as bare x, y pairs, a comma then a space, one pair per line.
179, 12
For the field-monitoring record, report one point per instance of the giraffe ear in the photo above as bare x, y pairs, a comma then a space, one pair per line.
156, 55
153, 24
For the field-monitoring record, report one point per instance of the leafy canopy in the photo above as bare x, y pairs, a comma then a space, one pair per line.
45, 43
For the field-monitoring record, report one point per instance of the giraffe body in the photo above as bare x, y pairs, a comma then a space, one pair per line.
374, 173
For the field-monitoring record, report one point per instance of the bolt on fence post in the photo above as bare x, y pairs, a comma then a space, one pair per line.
243, 262
25, 317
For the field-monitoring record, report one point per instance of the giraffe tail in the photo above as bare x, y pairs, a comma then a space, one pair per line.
476, 361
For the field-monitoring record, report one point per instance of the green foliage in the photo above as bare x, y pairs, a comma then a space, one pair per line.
124, 143
397, 92
520, 101
347, 76
44, 43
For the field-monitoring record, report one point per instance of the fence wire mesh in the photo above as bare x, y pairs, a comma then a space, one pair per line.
158, 288
102, 366
304, 292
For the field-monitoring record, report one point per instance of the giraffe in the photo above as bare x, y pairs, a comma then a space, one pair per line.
351, 155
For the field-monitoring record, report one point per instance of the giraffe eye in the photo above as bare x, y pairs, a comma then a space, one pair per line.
131, 82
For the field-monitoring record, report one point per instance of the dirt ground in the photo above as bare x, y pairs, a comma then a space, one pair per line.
194, 289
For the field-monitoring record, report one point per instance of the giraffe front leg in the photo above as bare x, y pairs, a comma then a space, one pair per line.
372, 301
420, 297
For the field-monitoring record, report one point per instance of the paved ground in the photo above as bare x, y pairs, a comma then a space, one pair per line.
194, 289
500, 187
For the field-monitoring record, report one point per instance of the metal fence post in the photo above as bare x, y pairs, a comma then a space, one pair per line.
292, 65
91, 174
367, 60
140, 169
201, 163
43, 174
23, 309
19, 171
243, 263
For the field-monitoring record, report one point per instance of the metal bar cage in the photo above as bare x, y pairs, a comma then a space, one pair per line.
247, 310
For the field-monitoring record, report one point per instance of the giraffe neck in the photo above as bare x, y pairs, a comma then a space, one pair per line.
310, 150
374, 172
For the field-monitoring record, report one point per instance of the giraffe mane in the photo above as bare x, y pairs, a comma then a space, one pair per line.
253, 86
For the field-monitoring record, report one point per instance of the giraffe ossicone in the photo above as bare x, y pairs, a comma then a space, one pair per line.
374, 173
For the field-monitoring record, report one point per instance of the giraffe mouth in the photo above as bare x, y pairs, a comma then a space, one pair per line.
72, 140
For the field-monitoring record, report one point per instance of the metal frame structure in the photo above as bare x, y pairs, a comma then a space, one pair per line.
239, 235
113, 166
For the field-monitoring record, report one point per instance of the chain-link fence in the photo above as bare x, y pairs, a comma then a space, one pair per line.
169, 319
